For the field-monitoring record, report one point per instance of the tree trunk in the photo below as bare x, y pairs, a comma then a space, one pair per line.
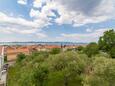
66, 81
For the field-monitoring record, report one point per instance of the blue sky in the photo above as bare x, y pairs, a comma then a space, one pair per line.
55, 20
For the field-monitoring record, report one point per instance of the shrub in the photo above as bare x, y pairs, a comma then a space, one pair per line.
91, 49
112, 52
80, 48
66, 68
20, 57
55, 51
102, 73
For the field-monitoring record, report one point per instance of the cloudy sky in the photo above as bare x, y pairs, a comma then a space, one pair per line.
55, 20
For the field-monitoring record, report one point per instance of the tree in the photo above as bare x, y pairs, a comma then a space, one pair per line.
112, 52
40, 75
80, 48
55, 51
20, 57
102, 73
107, 42
92, 49
67, 69
5, 58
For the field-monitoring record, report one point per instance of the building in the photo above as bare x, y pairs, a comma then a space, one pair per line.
13, 51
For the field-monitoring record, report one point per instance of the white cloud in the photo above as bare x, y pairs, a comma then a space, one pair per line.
81, 12
16, 20
88, 30
23, 2
75, 12
10, 30
85, 37
37, 3
20, 25
42, 18
34, 13
41, 35
11, 25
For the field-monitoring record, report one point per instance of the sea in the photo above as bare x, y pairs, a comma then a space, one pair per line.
42, 43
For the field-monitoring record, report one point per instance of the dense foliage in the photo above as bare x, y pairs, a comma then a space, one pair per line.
107, 42
64, 69
20, 57
55, 51
68, 68
91, 49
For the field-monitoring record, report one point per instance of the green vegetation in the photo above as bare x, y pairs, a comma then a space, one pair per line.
87, 66
91, 49
55, 51
64, 69
5, 58
20, 57
80, 48
107, 42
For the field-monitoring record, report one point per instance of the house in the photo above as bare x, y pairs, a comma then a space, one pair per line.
13, 51
49, 47
1, 49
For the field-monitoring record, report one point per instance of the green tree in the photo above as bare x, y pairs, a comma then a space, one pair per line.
5, 58
91, 49
112, 52
20, 57
40, 76
107, 42
80, 48
55, 51
102, 73
67, 69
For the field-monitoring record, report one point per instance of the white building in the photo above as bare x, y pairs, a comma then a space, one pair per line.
1, 60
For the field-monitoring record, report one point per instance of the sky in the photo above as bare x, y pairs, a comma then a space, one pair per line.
55, 20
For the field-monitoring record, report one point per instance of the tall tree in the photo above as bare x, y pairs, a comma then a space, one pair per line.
107, 42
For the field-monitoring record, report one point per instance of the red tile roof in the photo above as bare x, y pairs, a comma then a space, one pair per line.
52, 46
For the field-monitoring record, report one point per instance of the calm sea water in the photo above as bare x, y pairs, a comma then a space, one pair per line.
43, 43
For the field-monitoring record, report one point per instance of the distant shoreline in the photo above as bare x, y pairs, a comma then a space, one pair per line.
42, 43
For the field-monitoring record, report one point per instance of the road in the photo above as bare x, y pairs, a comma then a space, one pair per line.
3, 79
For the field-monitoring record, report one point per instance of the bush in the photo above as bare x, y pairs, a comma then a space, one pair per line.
91, 49
40, 75
80, 48
102, 73
20, 57
55, 51
43, 53
112, 52
64, 69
